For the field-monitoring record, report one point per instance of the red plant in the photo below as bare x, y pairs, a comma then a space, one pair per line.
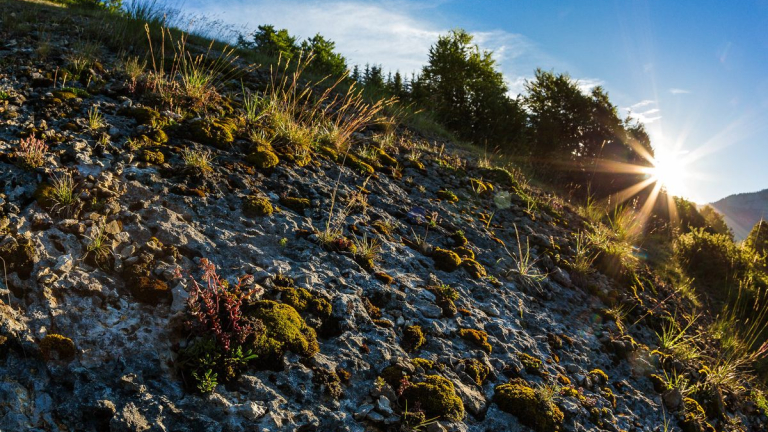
32, 151
217, 306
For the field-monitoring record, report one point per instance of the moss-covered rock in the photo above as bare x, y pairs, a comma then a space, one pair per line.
304, 301
464, 252
477, 337
263, 159
477, 370
437, 397
413, 338
257, 206
153, 157
284, 330
523, 402
599, 377
531, 364
142, 115
20, 256
64, 95
150, 290
295, 203
217, 133
423, 363
445, 259
56, 346
474, 268
358, 165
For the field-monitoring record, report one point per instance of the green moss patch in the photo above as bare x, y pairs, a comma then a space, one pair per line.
477, 337
284, 330
57, 346
413, 338
263, 159
257, 206
296, 204
437, 397
532, 411
445, 259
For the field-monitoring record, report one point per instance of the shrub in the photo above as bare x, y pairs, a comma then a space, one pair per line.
711, 258
436, 396
32, 152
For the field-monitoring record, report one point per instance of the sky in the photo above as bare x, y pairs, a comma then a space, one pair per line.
695, 72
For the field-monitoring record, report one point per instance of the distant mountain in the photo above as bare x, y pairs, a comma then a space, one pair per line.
743, 211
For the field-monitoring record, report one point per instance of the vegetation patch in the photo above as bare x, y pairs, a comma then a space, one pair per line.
436, 396
56, 346
257, 206
532, 410
477, 337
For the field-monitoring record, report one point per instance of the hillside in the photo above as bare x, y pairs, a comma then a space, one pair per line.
197, 258
743, 211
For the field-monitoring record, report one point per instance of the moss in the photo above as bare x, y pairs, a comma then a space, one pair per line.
263, 159
150, 290
64, 95
284, 330
523, 402
413, 338
437, 397
385, 159
383, 323
477, 370
464, 252
358, 165
373, 311
474, 268
142, 115
257, 206
600, 377
393, 375
460, 239
329, 152
445, 259
303, 301
477, 337
217, 133
281, 280
296, 204
56, 343
531, 364
423, 363
20, 256
153, 157
563, 380
45, 196
158, 136
383, 277
329, 380
447, 195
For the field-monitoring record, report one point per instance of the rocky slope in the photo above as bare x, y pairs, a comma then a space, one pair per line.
95, 301
743, 211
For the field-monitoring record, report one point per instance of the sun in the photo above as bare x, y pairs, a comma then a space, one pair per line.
670, 170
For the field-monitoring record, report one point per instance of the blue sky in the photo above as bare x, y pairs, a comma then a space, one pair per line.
695, 72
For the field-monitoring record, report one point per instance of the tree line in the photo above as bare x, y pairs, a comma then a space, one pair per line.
556, 129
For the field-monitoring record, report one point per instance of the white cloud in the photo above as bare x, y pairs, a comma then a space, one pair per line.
646, 111
641, 104
587, 84
678, 91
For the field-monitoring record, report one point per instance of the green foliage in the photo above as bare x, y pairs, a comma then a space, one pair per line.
436, 396
477, 370
268, 41
712, 259
462, 86
757, 240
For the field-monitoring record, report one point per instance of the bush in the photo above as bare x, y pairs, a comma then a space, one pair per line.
713, 259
